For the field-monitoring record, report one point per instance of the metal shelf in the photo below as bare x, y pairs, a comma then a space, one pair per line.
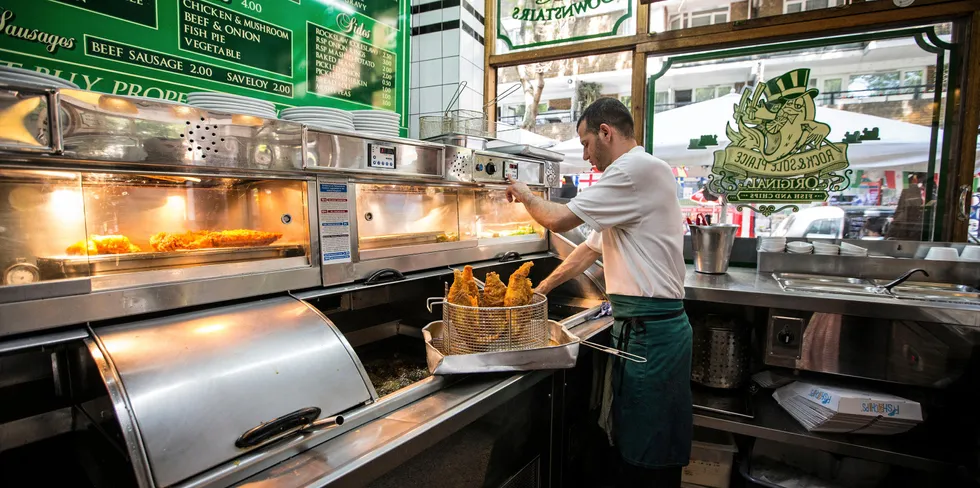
919, 449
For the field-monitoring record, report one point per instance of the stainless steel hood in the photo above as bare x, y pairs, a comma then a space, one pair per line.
186, 387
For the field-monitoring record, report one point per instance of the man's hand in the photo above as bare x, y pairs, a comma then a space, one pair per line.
518, 192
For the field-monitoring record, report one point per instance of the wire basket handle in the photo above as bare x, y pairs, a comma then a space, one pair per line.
499, 96
430, 302
615, 352
452, 101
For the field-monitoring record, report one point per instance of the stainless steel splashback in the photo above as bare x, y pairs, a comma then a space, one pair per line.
364, 153
185, 387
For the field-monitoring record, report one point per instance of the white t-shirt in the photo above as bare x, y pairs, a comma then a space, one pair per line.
637, 223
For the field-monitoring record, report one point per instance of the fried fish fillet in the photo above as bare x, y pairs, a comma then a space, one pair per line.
112, 244
519, 288
493, 291
204, 239
244, 238
464, 290
172, 241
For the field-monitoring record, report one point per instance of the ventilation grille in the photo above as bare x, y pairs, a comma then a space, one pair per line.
460, 167
201, 139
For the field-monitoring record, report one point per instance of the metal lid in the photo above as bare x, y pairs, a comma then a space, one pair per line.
194, 383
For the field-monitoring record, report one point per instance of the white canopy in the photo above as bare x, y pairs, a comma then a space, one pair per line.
902, 146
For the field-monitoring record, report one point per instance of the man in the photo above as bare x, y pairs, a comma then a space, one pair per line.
907, 221
637, 229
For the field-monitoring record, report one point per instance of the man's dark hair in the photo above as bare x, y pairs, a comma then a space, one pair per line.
607, 111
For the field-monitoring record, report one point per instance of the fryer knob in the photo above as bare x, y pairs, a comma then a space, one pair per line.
491, 169
786, 337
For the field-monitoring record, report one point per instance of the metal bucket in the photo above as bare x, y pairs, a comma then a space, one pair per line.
721, 353
712, 247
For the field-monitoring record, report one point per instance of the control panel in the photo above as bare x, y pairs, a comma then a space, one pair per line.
382, 156
498, 169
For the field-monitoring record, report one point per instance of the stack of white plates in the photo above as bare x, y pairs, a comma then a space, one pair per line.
772, 244
19, 76
826, 248
320, 117
380, 122
232, 104
799, 247
852, 250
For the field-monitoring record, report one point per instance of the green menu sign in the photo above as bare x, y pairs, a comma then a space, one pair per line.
348, 54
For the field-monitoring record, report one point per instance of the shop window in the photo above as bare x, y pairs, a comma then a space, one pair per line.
874, 84
795, 6
703, 94
558, 91
661, 101
682, 97
671, 15
869, 133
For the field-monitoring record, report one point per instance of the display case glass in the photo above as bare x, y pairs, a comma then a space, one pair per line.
41, 214
400, 216
79, 224
493, 217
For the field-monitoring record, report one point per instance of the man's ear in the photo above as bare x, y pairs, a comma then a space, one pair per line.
605, 132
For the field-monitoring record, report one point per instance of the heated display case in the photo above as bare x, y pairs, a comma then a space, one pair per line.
127, 229
403, 219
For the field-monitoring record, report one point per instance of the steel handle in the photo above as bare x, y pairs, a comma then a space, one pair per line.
429, 302
270, 430
386, 275
963, 213
452, 101
324, 422
615, 352
505, 94
509, 256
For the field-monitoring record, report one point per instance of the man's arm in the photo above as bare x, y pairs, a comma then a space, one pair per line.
577, 262
554, 216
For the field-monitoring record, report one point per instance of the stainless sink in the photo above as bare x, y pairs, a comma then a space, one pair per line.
910, 290
937, 292
826, 284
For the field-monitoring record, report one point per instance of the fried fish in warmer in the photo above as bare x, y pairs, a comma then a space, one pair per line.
244, 238
493, 291
112, 244
464, 290
519, 288
204, 239
174, 241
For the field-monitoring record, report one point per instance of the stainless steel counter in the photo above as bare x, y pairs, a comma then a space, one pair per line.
365, 453
745, 286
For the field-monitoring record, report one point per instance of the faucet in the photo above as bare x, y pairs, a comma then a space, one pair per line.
902, 279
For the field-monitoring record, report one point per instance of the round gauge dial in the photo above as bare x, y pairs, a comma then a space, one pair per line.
21, 274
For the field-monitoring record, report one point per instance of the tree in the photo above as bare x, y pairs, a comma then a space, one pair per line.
588, 92
532, 82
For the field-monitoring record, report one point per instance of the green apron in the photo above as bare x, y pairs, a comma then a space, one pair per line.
652, 406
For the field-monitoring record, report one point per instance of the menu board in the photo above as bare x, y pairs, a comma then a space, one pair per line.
348, 54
